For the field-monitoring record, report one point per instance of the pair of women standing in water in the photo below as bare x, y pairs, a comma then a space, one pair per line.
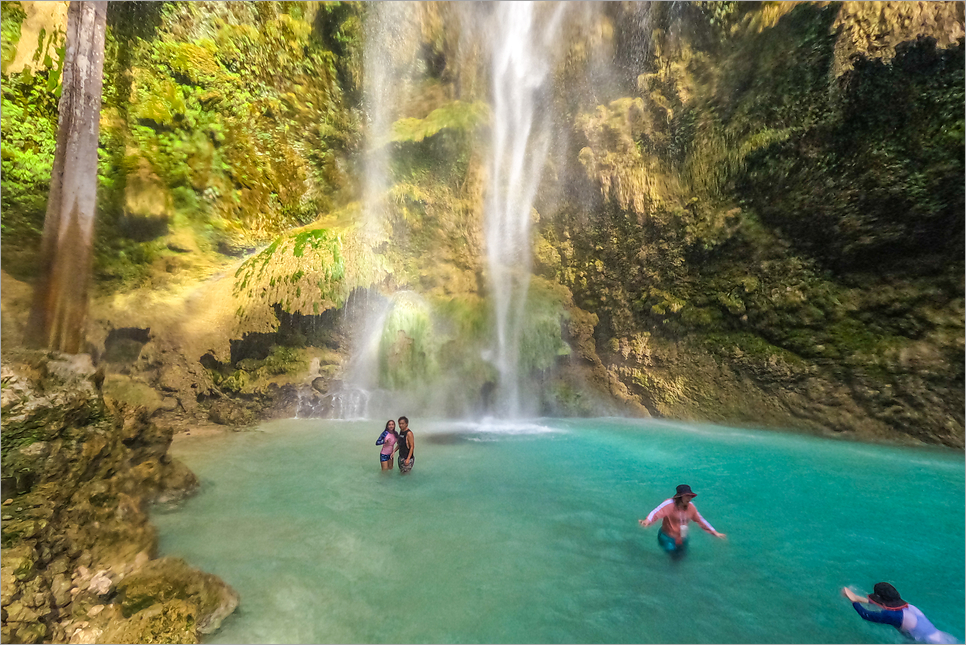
403, 441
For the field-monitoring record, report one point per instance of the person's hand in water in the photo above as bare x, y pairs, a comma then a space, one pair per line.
644, 523
720, 535
848, 593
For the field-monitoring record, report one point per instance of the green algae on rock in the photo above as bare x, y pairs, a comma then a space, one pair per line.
79, 471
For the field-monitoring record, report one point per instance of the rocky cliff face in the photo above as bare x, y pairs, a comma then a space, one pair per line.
79, 472
766, 234
752, 213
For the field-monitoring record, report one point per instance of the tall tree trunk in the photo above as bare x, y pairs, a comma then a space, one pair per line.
60, 301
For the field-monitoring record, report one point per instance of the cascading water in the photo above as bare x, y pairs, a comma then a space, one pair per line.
362, 376
390, 29
390, 367
389, 26
521, 48
521, 138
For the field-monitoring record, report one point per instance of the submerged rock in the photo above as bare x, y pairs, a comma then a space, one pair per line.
171, 582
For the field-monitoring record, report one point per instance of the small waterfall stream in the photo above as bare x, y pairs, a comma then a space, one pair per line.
390, 28
521, 140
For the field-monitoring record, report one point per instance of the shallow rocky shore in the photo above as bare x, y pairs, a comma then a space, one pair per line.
80, 471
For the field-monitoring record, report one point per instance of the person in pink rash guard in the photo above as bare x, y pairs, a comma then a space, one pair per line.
675, 513
388, 440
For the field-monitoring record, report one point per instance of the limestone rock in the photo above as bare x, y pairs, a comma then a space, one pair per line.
230, 413
155, 600
76, 490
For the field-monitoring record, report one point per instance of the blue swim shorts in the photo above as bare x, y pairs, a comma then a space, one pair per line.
383, 457
668, 544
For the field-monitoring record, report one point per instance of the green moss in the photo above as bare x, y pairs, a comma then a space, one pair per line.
29, 129
751, 345
852, 337
237, 381
467, 313
769, 225
302, 271
234, 114
49, 424
732, 302
541, 342
11, 17
459, 116
187, 602
566, 399
908, 213
702, 317
409, 346
284, 360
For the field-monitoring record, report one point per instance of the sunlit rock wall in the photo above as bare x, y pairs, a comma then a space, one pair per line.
751, 212
742, 207
222, 124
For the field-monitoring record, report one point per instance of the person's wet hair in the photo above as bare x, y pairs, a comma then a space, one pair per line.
406, 419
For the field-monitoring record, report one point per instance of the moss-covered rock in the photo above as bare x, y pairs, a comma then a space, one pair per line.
74, 510
167, 596
221, 127
773, 218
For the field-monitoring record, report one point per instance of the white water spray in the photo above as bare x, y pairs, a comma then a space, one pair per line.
390, 29
521, 138
390, 64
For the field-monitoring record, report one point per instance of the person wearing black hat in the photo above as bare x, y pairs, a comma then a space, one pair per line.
676, 512
898, 613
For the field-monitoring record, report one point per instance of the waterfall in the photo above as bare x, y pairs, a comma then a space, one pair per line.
520, 72
520, 42
362, 375
389, 67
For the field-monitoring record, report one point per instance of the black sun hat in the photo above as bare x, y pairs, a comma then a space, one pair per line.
683, 490
885, 595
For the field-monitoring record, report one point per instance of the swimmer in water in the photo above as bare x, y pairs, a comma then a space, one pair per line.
676, 512
898, 613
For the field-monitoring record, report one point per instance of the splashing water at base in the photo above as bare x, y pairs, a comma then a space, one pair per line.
527, 532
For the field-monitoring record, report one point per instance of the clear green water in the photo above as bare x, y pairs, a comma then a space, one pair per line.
530, 534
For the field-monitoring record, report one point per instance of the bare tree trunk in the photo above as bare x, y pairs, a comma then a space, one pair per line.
60, 301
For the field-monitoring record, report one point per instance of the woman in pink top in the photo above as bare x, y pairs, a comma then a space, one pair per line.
388, 442
676, 512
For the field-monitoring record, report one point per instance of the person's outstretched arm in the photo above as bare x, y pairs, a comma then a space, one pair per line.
854, 597
658, 513
703, 523
886, 617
